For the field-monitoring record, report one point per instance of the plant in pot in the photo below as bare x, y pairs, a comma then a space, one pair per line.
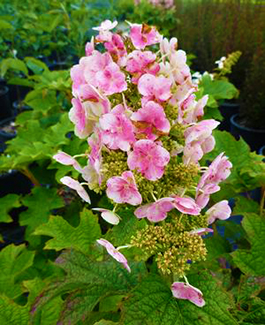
250, 122
219, 89
227, 107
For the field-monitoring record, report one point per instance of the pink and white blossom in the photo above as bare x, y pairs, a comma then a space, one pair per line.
154, 118
190, 110
199, 140
186, 205
108, 215
140, 63
100, 71
154, 88
114, 253
149, 158
75, 185
156, 211
117, 50
181, 70
143, 35
217, 172
90, 47
220, 210
168, 47
77, 115
65, 159
111, 80
104, 30
117, 129
95, 158
186, 291
106, 25
200, 131
93, 64
123, 189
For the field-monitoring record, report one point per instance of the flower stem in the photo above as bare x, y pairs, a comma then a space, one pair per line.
125, 246
30, 176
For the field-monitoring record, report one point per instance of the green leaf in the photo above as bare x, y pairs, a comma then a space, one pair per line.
5, 25
111, 303
239, 154
217, 247
66, 236
252, 261
35, 65
244, 205
121, 234
40, 203
256, 312
13, 261
21, 82
12, 313
56, 134
7, 203
152, 303
13, 64
249, 287
218, 89
41, 100
86, 283
51, 311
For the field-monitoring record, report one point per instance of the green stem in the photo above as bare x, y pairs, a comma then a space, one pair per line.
30, 176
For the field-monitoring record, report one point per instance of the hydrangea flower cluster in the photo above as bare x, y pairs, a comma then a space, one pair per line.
136, 106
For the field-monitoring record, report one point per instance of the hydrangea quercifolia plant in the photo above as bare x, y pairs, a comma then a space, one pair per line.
138, 111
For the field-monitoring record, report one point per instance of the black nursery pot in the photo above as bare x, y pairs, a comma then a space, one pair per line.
58, 65
255, 138
227, 110
262, 151
5, 106
18, 92
14, 182
6, 132
19, 107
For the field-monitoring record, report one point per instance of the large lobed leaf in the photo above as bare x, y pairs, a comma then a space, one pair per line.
7, 203
40, 203
152, 303
252, 261
66, 236
247, 171
86, 283
14, 260
12, 313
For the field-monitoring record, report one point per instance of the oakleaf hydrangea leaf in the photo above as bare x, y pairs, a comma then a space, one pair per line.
40, 203
12, 313
152, 303
13, 261
252, 261
127, 227
219, 89
6, 204
238, 152
86, 283
50, 313
244, 205
66, 236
